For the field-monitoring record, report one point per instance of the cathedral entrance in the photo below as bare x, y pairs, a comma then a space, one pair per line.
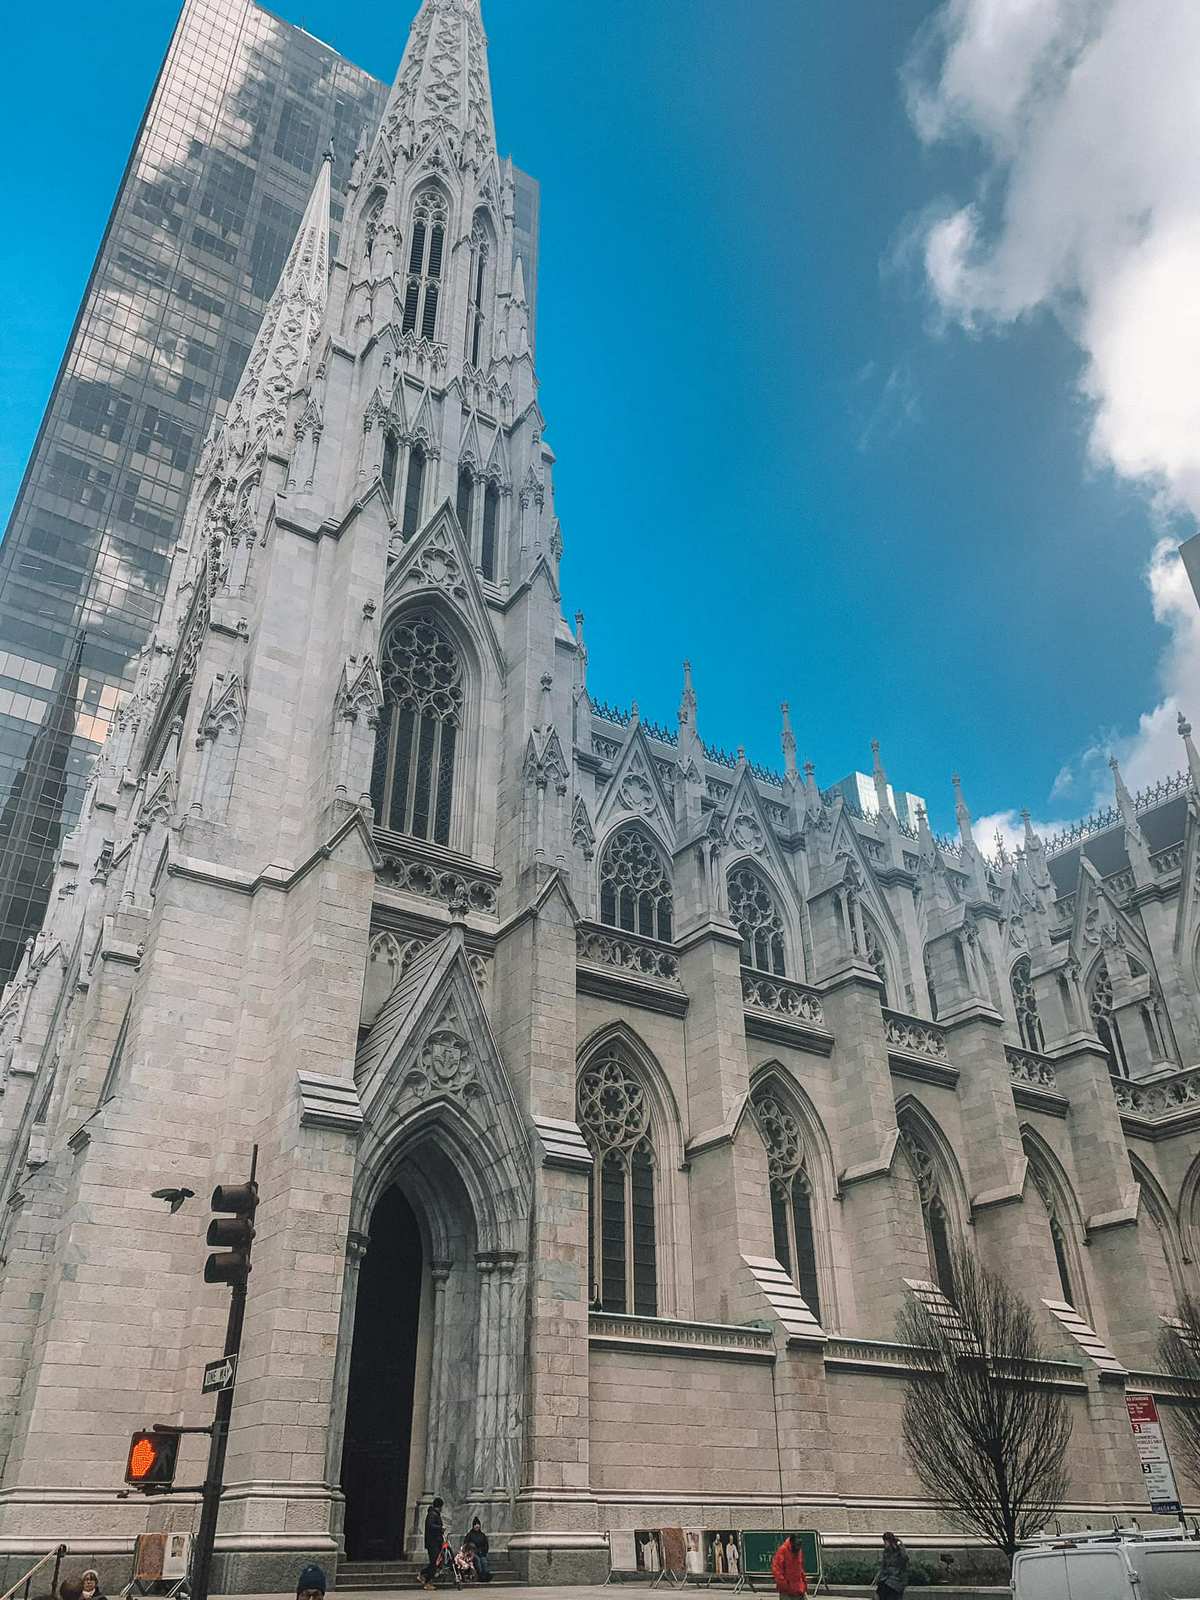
381, 1393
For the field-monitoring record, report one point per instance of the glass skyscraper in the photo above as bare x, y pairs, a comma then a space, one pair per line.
224, 160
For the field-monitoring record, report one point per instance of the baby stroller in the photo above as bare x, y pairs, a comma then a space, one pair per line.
446, 1561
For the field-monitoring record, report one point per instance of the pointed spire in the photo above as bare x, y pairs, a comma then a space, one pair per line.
687, 702
288, 329
1032, 841
442, 87
1034, 858
788, 741
1193, 760
1124, 798
962, 814
883, 802
1135, 841
518, 314
812, 795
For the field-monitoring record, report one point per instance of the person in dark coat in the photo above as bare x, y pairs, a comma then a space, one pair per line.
476, 1546
311, 1585
435, 1540
892, 1577
787, 1568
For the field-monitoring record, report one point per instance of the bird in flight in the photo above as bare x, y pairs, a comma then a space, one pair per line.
175, 1196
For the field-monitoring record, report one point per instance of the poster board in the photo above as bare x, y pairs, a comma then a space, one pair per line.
622, 1550
758, 1550
723, 1553
149, 1552
1161, 1489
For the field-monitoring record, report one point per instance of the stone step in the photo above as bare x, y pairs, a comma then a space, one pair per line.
378, 1575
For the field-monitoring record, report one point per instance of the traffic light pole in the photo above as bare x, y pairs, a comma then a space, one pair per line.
214, 1478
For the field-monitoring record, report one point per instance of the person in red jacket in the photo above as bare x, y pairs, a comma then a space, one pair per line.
788, 1568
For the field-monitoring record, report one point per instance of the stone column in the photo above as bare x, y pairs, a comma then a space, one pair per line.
435, 1457
485, 1405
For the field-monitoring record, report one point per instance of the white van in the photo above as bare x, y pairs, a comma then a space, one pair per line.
1112, 1566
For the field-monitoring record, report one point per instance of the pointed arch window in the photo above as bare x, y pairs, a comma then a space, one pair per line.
756, 916
1100, 1005
391, 459
416, 746
373, 219
464, 500
873, 951
614, 1116
491, 512
934, 1212
1025, 1001
791, 1195
413, 485
1058, 1233
476, 300
635, 886
426, 250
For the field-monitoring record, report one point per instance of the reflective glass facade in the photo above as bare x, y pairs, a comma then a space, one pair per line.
243, 109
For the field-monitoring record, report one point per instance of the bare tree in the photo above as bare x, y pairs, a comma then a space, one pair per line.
1179, 1352
986, 1431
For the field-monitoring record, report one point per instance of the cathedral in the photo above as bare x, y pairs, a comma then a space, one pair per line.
609, 1090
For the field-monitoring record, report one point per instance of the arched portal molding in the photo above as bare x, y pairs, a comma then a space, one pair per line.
1153, 1200
918, 1126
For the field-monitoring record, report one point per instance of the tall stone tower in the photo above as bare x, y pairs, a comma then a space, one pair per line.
344, 754
612, 1093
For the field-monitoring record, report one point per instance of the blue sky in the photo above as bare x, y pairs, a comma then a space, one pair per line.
778, 455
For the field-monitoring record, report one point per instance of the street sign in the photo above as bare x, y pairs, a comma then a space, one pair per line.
1152, 1453
219, 1375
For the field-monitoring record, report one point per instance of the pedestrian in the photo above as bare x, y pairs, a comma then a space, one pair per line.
70, 1589
787, 1568
435, 1541
476, 1546
310, 1585
90, 1583
892, 1577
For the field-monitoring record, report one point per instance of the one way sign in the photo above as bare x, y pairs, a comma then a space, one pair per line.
219, 1375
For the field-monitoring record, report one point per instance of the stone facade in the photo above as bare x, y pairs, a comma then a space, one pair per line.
680, 1067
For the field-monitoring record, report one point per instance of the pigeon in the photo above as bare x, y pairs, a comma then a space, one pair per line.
175, 1196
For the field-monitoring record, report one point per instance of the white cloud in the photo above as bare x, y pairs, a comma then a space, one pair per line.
1087, 206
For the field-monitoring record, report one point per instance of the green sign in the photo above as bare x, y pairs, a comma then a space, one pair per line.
758, 1550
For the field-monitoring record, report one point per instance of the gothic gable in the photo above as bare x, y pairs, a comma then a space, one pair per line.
431, 1050
749, 832
1099, 921
436, 564
636, 789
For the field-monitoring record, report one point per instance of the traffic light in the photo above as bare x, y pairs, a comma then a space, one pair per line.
150, 1464
234, 1232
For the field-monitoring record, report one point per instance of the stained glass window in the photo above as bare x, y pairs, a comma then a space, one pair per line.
1025, 1000
757, 918
614, 1115
635, 886
412, 776
791, 1194
425, 264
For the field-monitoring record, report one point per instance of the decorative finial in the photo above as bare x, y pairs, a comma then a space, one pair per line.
634, 713
328, 156
1183, 725
1001, 850
741, 752
788, 741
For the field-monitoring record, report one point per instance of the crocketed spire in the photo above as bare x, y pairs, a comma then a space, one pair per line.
442, 88
288, 330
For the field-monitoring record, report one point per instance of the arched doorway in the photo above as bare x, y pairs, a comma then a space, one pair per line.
380, 1396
